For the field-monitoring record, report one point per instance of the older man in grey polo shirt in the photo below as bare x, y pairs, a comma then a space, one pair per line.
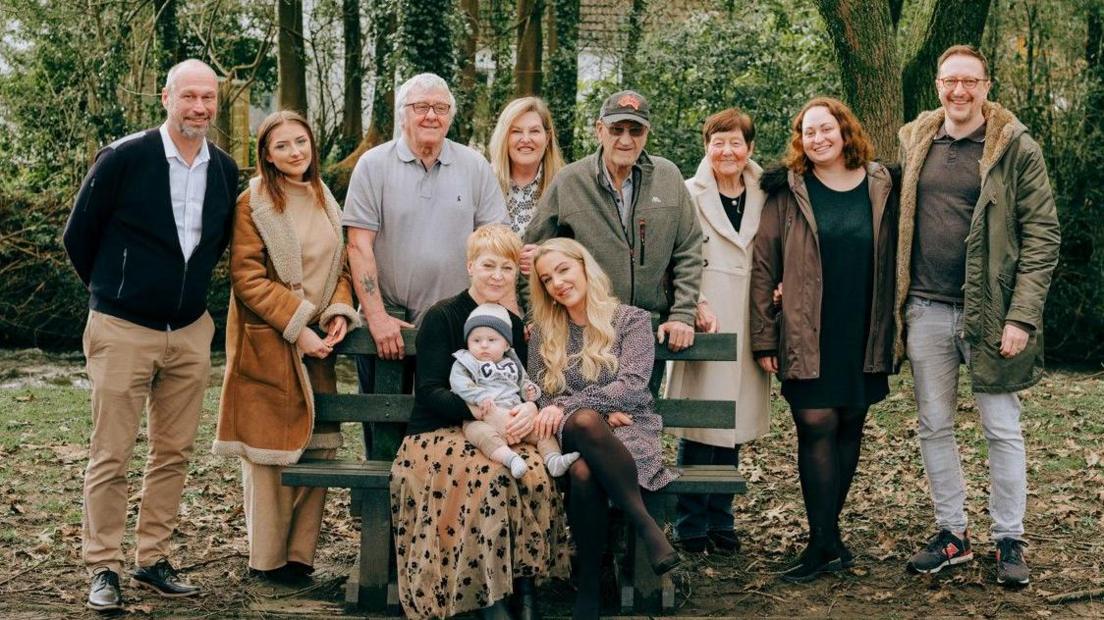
411, 205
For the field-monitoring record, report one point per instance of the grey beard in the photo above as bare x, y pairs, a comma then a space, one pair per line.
190, 132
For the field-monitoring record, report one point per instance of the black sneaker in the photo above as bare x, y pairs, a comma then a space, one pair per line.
1011, 569
105, 594
162, 578
944, 549
814, 561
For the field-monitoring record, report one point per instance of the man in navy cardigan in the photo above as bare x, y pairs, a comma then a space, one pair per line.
150, 222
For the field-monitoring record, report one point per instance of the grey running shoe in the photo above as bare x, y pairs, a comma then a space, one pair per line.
944, 549
1011, 569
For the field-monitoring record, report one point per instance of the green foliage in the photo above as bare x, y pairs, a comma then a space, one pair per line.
423, 40
563, 73
711, 61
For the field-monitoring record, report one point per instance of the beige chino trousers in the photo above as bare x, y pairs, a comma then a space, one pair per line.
130, 366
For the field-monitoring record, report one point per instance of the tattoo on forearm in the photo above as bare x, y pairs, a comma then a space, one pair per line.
368, 284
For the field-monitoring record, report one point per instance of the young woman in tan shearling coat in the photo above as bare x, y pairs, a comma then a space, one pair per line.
289, 272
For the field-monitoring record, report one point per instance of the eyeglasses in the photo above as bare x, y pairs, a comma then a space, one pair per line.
422, 108
634, 130
967, 83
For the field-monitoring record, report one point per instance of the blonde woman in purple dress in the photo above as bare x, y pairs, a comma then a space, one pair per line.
592, 357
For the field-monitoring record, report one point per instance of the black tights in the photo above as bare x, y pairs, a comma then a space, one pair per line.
828, 444
606, 472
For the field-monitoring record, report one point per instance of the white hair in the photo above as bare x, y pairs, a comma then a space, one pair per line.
420, 82
174, 71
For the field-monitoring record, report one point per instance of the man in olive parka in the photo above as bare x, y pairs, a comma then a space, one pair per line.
978, 243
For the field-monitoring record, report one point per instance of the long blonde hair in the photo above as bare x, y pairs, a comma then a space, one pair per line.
552, 161
552, 320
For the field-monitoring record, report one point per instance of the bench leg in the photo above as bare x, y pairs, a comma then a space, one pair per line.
646, 592
368, 586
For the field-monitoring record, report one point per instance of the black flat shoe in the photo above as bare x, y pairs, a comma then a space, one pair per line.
666, 563
813, 562
725, 541
697, 544
497, 611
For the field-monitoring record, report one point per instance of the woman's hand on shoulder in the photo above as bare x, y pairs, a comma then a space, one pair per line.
619, 418
548, 420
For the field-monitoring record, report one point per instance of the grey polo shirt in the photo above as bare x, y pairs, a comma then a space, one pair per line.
422, 218
946, 193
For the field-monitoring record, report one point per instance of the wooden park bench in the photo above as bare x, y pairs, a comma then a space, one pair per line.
372, 584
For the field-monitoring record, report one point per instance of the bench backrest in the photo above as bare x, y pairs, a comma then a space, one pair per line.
389, 412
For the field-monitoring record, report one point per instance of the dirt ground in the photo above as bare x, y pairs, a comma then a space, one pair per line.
44, 425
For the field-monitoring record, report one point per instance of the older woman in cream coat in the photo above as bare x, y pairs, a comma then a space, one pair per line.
726, 191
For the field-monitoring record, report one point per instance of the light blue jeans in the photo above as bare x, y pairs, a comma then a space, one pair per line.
935, 350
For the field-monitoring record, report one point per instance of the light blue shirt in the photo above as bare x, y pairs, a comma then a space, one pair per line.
187, 185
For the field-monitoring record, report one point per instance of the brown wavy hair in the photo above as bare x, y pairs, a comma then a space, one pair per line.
857, 147
271, 177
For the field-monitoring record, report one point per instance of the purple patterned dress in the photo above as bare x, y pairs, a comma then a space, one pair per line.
626, 390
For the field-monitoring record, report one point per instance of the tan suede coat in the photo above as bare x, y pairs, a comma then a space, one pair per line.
266, 413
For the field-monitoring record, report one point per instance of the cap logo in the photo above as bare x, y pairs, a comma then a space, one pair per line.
628, 101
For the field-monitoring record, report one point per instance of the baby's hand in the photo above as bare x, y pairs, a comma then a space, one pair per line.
531, 393
486, 408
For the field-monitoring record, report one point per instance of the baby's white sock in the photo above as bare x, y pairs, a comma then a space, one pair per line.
511, 459
557, 463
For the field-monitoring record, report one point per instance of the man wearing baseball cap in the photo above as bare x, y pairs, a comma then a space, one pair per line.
631, 210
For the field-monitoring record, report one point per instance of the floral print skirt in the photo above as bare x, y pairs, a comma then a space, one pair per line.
465, 528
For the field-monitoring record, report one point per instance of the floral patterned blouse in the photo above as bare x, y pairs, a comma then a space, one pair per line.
521, 202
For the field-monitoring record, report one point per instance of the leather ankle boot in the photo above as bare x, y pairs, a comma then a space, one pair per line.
525, 599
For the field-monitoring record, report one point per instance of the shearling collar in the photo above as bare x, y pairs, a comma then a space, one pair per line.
281, 243
1001, 127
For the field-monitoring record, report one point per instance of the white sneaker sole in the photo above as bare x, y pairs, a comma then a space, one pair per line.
962, 559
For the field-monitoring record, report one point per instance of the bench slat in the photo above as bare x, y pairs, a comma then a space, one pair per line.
376, 475
707, 347
680, 413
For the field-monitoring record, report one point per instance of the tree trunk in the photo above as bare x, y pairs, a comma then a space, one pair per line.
563, 74
168, 34
465, 98
352, 126
633, 36
291, 57
527, 70
866, 49
952, 22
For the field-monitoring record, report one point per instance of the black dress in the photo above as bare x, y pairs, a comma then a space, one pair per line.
845, 231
